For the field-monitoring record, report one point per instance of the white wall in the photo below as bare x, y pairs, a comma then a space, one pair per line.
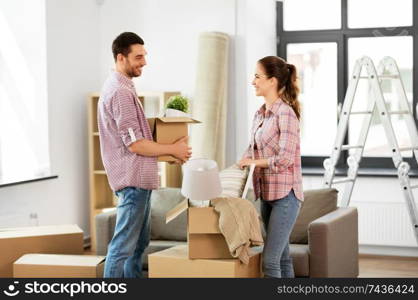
170, 30
72, 70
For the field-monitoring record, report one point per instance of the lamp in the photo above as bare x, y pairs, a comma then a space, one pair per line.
201, 181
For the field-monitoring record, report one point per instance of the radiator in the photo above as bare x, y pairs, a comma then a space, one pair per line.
386, 224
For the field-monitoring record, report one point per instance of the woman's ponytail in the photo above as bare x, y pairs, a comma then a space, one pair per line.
285, 73
291, 90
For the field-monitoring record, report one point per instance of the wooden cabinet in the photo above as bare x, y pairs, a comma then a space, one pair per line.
102, 198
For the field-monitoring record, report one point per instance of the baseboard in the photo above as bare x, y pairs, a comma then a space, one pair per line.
368, 250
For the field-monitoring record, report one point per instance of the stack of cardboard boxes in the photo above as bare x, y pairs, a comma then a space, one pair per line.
46, 251
206, 253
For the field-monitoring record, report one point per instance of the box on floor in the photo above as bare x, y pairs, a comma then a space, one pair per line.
175, 263
57, 239
58, 266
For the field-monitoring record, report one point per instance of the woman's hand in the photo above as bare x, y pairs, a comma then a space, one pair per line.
259, 163
245, 162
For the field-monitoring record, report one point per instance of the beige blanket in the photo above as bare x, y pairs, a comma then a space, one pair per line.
239, 223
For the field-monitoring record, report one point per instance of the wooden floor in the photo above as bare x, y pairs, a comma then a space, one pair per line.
388, 266
378, 266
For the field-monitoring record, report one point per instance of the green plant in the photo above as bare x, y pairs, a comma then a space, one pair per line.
178, 102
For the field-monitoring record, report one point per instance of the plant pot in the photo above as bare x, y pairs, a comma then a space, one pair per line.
169, 112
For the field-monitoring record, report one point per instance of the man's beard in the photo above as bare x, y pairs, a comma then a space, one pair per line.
131, 73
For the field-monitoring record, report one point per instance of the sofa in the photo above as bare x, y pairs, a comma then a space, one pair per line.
324, 246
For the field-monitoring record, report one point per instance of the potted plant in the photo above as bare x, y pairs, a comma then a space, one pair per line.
177, 106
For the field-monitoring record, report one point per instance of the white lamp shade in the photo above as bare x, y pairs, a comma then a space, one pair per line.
201, 179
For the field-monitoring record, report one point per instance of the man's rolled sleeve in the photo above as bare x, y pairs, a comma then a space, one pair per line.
125, 114
287, 123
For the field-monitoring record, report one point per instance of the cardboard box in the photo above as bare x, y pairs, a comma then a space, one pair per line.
57, 239
205, 240
175, 263
58, 266
168, 130
204, 237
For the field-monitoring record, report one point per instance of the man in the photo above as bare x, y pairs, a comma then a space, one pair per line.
129, 156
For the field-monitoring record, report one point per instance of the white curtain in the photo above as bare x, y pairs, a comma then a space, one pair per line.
24, 144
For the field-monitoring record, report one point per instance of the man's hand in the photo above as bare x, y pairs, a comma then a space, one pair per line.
181, 149
245, 162
175, 162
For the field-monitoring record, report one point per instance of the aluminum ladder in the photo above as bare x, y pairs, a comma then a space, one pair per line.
387, 70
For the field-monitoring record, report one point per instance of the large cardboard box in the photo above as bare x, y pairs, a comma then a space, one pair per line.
57, 239
175, 263
205, 240
167, 130
58, 266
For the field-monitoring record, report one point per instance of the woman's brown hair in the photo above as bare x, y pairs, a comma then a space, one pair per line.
285, 74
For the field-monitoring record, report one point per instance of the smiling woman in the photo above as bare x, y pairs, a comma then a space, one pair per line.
24, 153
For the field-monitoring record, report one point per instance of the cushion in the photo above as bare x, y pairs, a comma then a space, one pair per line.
300, 258
316, 204
162, 200
233, 181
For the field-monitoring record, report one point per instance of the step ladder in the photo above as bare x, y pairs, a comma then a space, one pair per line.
387, 70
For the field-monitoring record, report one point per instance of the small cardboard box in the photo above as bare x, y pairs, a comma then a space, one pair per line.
204, 237
167, 130
57, 239
58, 266
175, 263
205, 240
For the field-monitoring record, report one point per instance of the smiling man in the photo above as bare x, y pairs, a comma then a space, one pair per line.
129, 156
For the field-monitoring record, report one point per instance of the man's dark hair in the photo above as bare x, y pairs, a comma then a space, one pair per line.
122, 44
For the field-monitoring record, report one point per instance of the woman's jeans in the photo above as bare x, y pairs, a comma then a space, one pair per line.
132, 234
279, 216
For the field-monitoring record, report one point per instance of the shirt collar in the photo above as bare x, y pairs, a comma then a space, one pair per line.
124, 79
273, 109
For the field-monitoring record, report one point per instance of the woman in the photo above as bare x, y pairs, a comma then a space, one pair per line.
275, 151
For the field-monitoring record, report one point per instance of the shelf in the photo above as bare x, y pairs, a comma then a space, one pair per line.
99, 172
97, 158
103, 210
155, 93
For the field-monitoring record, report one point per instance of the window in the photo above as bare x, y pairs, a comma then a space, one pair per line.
329, 18
316, 63
379, 13
324, 52
24, 153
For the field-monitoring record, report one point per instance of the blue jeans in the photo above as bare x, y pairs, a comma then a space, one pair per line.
279, 216
132, 234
